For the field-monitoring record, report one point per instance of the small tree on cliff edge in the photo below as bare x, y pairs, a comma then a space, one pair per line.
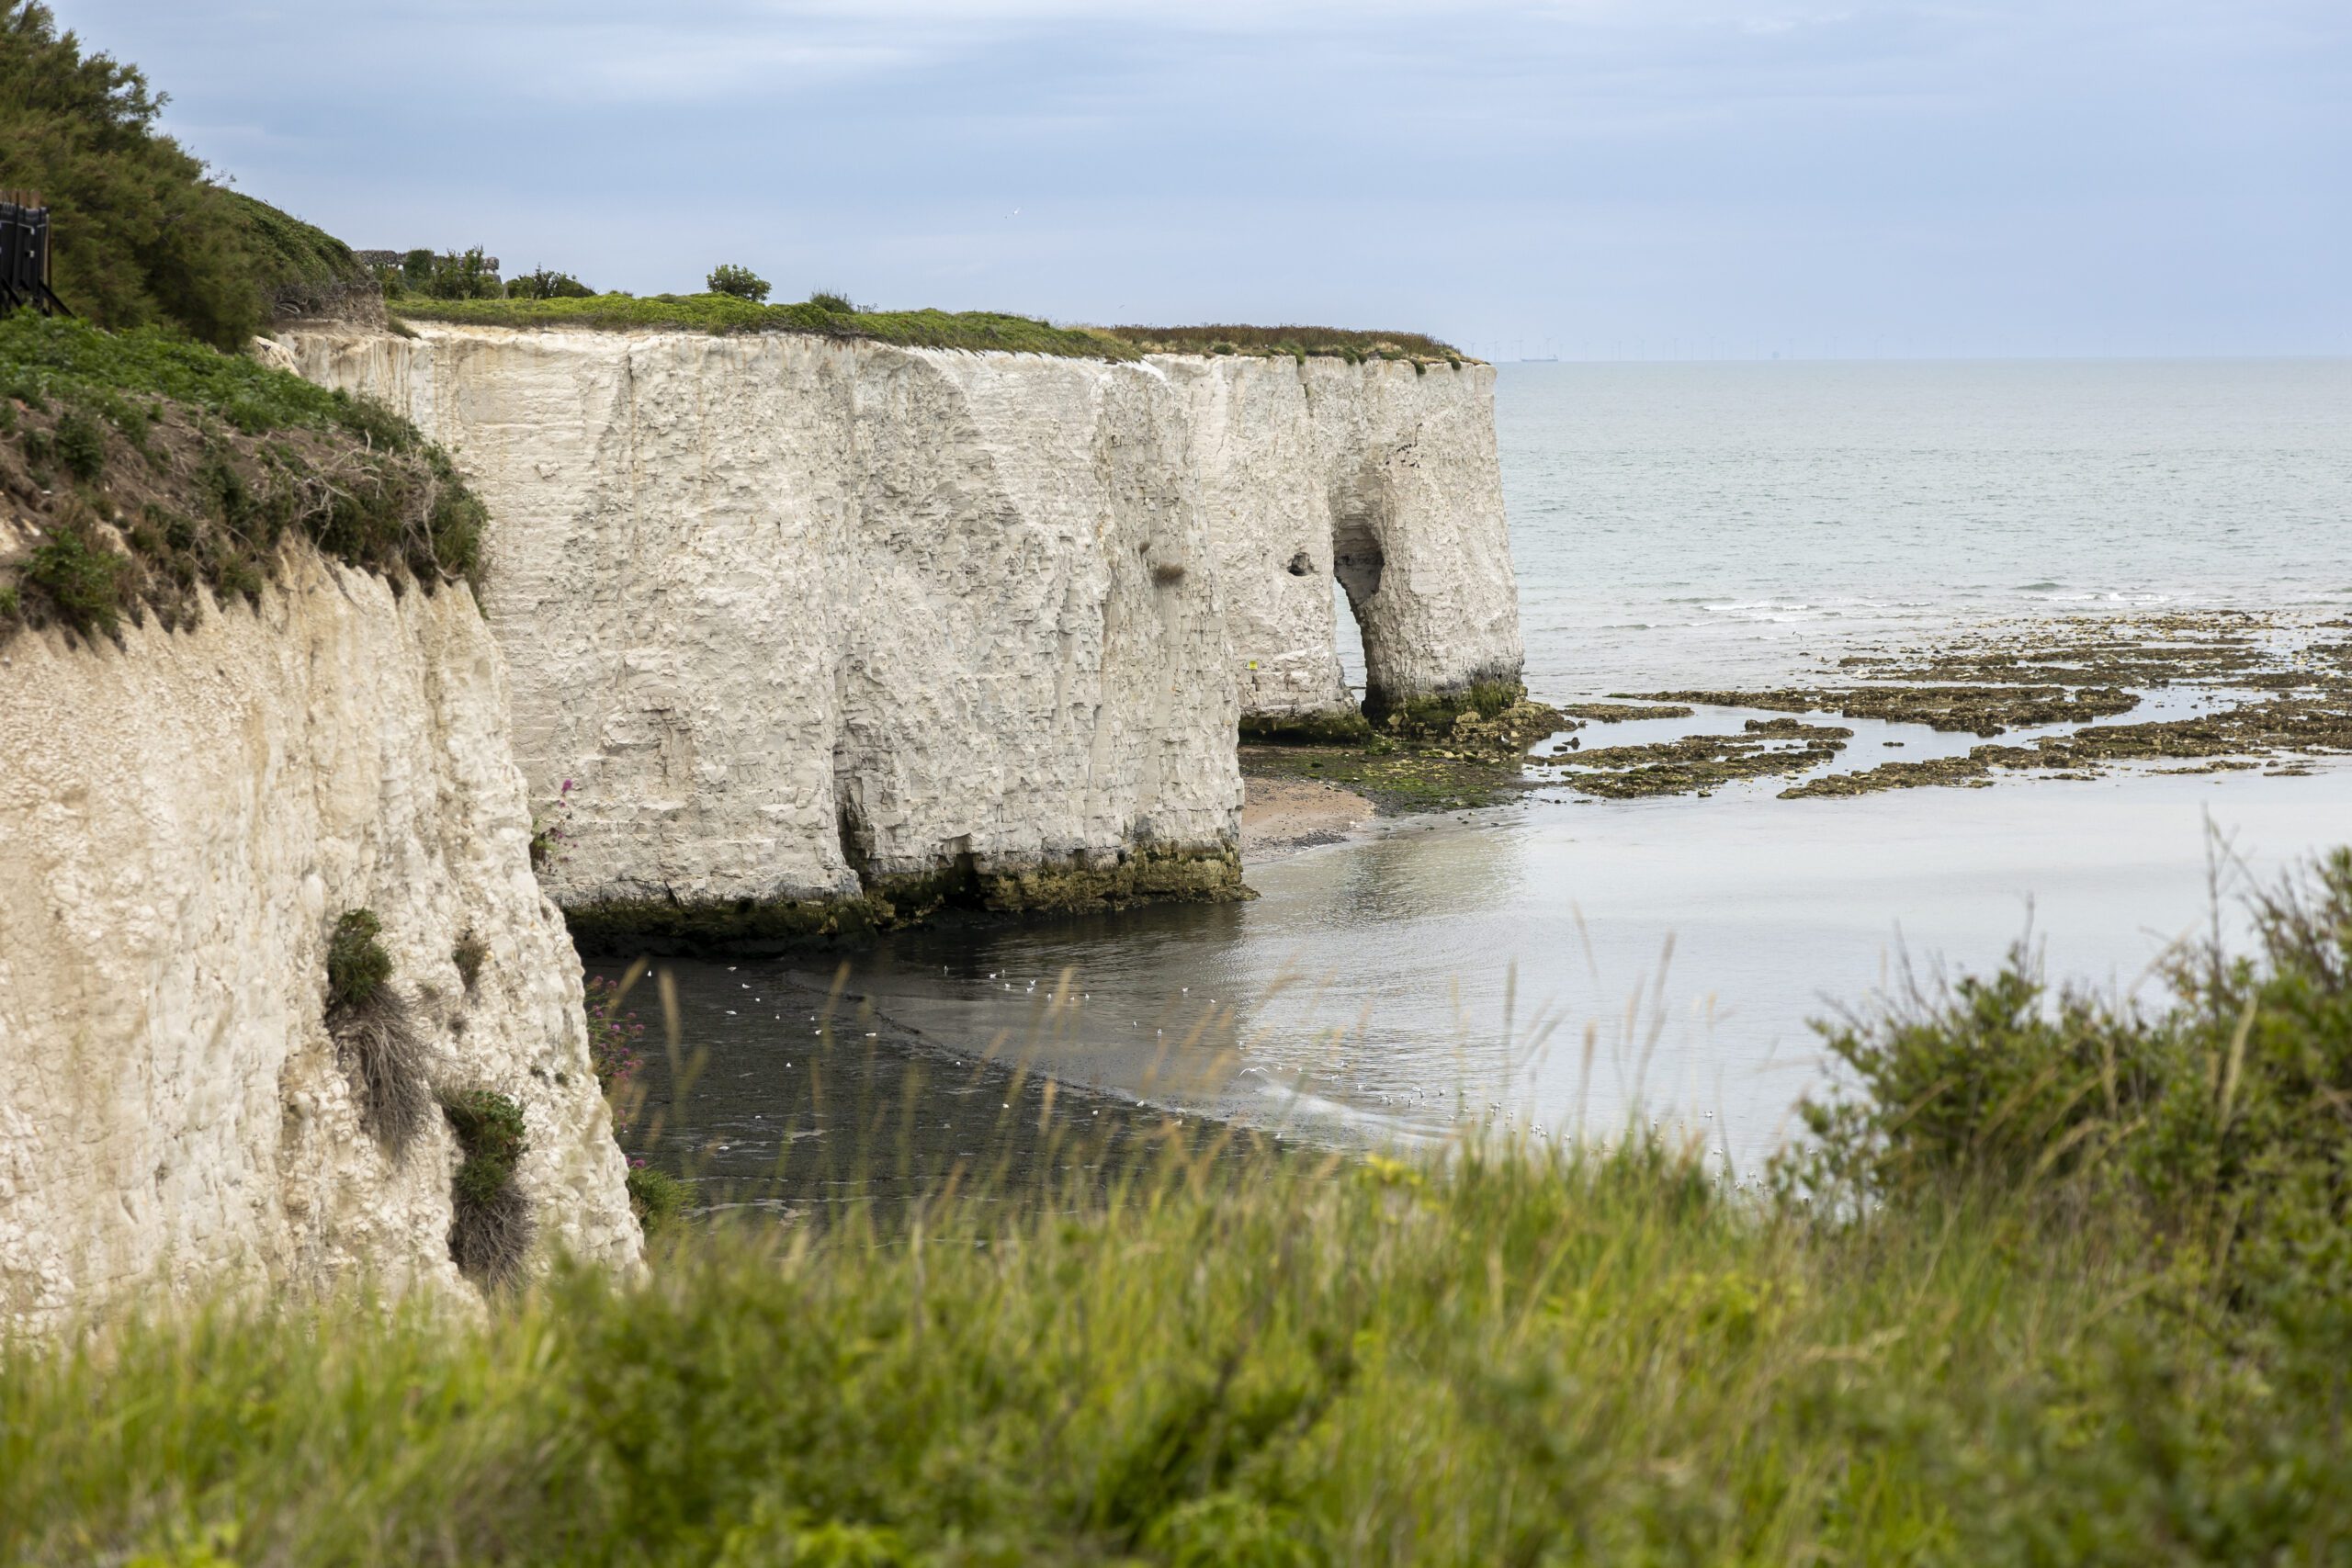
740, 281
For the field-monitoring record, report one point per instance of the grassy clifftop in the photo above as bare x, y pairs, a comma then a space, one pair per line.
138, 465
299, 269
1300, 342
722, 313
978, 331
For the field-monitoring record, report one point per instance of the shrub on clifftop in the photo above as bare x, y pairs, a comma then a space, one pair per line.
541, 284
737, 282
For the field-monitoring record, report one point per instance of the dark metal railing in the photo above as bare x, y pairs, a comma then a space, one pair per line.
24, 254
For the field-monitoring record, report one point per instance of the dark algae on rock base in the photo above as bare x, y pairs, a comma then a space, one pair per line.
1437, 752
1210, 874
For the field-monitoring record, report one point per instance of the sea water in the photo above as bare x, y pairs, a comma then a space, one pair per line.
1570, 965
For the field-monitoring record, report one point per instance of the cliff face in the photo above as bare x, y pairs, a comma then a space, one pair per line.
182, 821
812, 627
1378, 474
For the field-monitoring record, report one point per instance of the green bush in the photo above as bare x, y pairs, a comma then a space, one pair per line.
656, 1197
452, 275
81, 578
738, 283
541, 284
299, 269
490, 1229
2217, 1126
839, 304
81, 443
357, 964
489, 1129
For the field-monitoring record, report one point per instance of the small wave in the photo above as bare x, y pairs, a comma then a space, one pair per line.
2039, 588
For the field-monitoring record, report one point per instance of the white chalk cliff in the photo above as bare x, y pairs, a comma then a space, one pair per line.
1378, 474
806, 623
182, 821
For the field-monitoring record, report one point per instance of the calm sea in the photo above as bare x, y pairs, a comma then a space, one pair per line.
1565, 963
1679, 524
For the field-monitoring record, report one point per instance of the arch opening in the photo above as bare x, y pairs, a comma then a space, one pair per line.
1358, 564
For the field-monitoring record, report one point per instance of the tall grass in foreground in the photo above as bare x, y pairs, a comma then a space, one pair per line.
1959, 1328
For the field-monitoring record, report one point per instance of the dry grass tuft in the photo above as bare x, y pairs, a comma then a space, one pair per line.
383, 1053
491, 1233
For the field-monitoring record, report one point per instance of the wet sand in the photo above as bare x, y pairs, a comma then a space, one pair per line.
1280, 816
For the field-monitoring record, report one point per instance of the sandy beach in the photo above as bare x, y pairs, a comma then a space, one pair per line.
1280, 816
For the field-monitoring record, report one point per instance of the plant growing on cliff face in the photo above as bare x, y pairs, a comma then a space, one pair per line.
382, 1050
81, 578
491, 1227
737, 282
655, 1197
549, 830
383, 1055
470, 953
358, 965
81, 443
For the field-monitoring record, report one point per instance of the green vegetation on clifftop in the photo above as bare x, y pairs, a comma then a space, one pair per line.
722, 313
1323, 343
140, 464
832, 315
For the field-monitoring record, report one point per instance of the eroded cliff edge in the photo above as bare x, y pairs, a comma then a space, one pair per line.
818, 631
183, 818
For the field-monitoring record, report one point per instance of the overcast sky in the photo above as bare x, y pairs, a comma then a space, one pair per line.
1611, 178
